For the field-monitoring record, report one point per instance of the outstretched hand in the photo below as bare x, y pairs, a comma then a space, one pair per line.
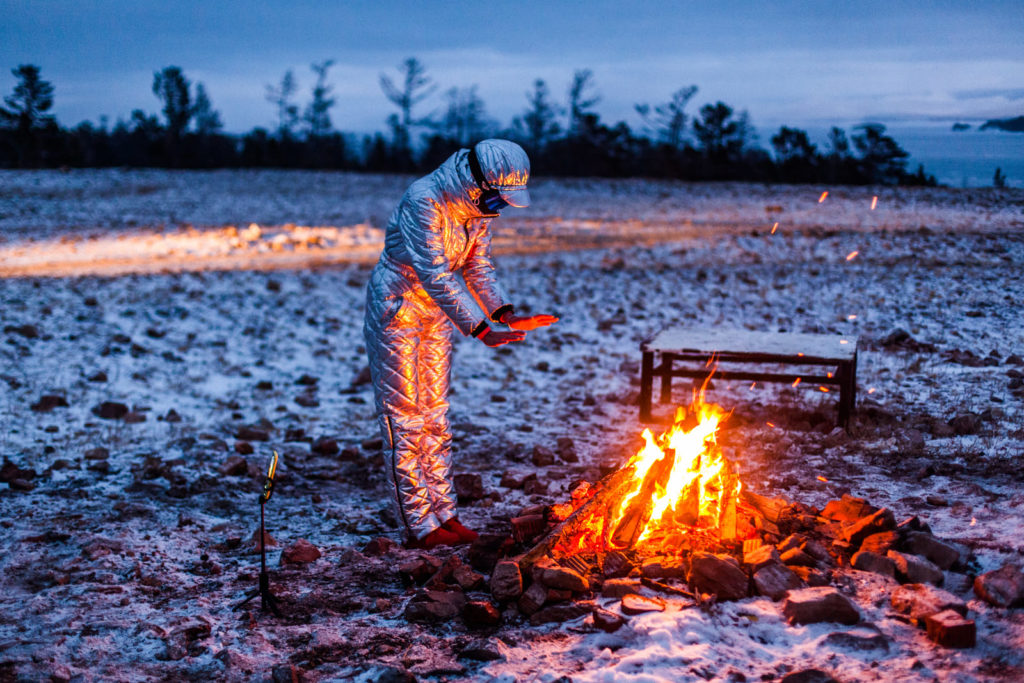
530, 322
494, 337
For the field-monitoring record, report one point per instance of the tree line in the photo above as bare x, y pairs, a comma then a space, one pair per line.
714, 143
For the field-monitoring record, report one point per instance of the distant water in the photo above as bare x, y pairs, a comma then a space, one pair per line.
956, 159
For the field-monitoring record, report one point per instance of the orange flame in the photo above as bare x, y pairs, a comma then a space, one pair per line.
678, 483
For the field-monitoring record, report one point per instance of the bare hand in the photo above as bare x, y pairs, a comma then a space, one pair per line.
527, 323
495, 338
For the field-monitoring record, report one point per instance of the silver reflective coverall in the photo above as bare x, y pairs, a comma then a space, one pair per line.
435, 271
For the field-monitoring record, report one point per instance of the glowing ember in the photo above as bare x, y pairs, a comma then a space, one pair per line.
852, 255
678, 491
823, 197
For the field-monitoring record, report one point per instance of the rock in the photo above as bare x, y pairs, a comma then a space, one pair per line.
234, 466
617, 588
774, 581
374, 443
860, 638
285, 673
9, 472
562, 613
814, 605
914, 523
420, 569
762, 556
819, 553
486, 550
663, 568
468, 579
918, 600
386, 673
98, 453
880, 543
718, 574
325, 445
482, 650
506, 581
867, 561
810, 575
363, 377
881, 520
48, 402
848, 509
951, 629
914, 569
244, 448
527, 527
1003, 587
27, 330
566, 448
966, 423
553, 575
134, 417
516, 479
307, 380
429, 606
300, 552
942, 555
97, 377
957, 583
808, 676
252, 433
638, 604
607, 621
481, 614
535, 487
542, 456
533, 598
379, 546
615, 564
797, 557
469, 487
110, 410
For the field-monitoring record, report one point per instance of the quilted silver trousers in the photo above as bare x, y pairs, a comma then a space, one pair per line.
408, 340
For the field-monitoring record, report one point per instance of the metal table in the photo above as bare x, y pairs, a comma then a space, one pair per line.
685, 345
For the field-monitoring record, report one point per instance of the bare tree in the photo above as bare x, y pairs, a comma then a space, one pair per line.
416, 87
537, 125
465, 118
582, 99
317, 112
281, 97
668, 120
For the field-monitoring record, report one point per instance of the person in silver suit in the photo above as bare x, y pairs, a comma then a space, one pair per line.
435, 272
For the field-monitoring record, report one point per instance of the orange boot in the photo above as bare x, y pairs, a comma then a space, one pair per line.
455, 526
435, 538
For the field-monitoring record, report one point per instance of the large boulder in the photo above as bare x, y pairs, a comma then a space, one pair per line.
1003, 587
915, 569
823, 603
718, 574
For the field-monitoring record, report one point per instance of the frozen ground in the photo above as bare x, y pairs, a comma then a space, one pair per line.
125, 567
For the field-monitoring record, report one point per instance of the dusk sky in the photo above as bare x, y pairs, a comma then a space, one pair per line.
803, 63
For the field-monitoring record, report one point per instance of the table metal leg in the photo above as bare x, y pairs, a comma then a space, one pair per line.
646, 385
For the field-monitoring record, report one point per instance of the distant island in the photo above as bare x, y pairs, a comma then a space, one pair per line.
961, 127
1014, 125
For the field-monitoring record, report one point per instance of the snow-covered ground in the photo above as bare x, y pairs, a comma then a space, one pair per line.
124, 564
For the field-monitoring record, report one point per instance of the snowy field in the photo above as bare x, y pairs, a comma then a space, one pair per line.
125, 542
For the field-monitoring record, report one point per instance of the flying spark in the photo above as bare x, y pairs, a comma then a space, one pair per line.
823, 196
874, 202
775, 227
796, 381
821, 478
852, 255
825, 389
